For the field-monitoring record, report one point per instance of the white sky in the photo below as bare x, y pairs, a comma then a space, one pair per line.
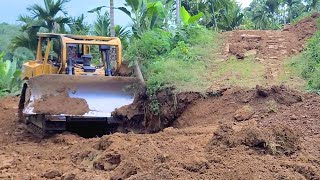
245, 3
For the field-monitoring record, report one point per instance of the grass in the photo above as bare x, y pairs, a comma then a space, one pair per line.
243, 73
188, 69
291, 74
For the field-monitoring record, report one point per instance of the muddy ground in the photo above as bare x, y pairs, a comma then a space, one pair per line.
232, 133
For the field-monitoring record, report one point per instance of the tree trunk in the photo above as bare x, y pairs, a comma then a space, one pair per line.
178, 5
214, 17
112, 30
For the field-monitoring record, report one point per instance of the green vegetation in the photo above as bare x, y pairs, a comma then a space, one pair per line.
291, 74
247, 72
310, 63
9, 79
170, 60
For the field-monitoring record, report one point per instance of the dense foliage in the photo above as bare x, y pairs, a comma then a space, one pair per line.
310, 63
9, 79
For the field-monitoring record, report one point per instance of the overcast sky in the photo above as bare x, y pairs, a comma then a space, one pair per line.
10, 10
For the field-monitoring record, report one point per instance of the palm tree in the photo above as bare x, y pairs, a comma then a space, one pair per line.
28, 36
101, 26
261, 18
112, 30
290, 4
49, 14
272, 7
231, 18
78, 26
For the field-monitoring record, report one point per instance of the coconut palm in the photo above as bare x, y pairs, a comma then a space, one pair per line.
28, 36
101, 27
312, 5
50, 14
78, 26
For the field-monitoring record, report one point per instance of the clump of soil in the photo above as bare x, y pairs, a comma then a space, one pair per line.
142, 116
276, 140
60, 104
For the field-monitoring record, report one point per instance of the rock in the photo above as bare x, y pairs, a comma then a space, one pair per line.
249, 36
293, 117
5, 162
261, 91
107, 162
245, 113
69, 176
52, 174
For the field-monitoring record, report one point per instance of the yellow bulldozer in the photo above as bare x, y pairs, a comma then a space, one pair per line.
64, 63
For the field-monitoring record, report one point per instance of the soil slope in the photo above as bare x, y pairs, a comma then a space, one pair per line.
271, 48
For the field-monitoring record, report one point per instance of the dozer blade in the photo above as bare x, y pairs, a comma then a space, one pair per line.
102, 94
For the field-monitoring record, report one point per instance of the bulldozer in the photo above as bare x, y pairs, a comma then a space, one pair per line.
65, 61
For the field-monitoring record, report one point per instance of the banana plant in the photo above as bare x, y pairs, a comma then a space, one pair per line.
9, 76
146, 14
187, 19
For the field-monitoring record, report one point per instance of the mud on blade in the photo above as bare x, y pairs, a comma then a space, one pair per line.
102, 94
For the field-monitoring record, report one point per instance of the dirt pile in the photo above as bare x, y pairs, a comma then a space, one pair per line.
272, 44
269, 47
276, 140
60, 104
280, 140
147, 115
305, 28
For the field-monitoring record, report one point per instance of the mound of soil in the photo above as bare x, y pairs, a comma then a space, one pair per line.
60, 104
272, 44
279, 141
305, 28
269, 47
275, 140
141, 117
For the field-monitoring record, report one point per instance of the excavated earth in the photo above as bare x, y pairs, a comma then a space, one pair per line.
261, 133
232, 133
271, 47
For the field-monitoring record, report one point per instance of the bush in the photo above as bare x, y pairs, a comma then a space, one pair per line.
9, 76
309, 63
174, 59
150, 46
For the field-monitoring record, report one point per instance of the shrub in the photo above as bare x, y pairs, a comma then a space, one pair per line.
150, 46
9, 76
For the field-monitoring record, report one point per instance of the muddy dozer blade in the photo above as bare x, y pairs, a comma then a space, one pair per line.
102, 94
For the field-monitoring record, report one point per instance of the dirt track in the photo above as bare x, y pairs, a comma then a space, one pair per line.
236, 133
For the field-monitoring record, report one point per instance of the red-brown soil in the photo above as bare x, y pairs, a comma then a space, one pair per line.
271, 48
60, 104
280, 140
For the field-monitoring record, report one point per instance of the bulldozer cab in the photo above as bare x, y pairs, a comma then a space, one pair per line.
76, 55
